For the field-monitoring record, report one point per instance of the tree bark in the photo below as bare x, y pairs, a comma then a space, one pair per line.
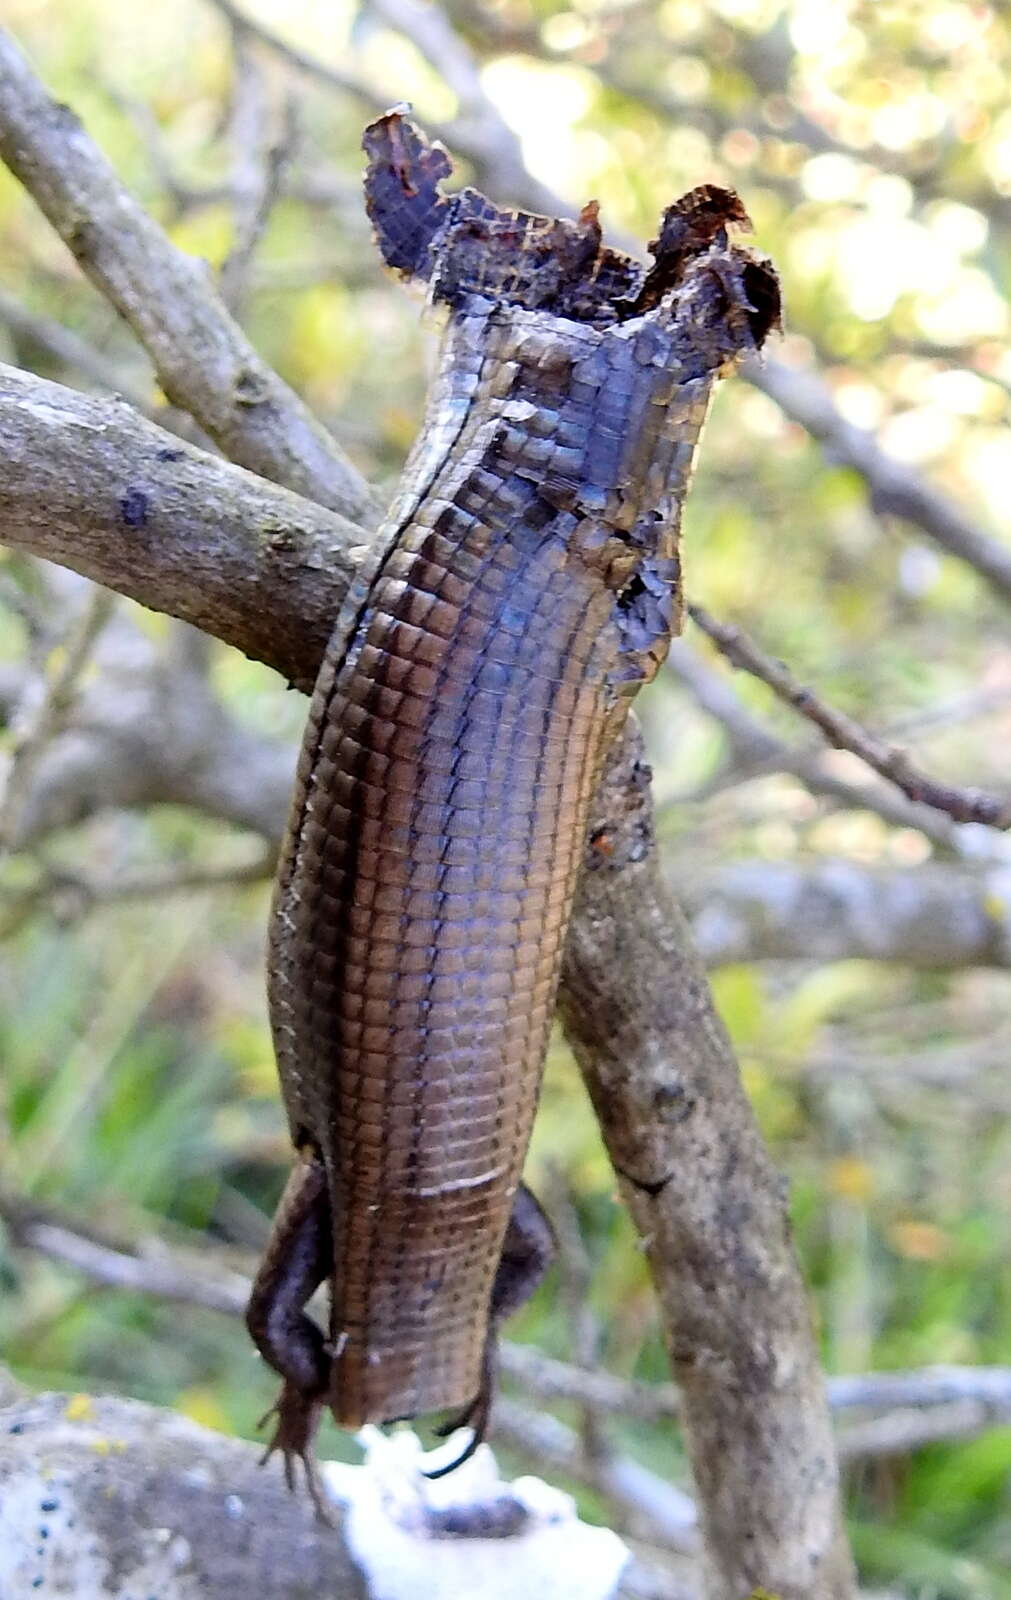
92, 485
712, 1212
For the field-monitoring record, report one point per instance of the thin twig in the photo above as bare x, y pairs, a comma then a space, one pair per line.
69, 896
844, 733
900, 1433
756, 750
71, 351
258, 173
186, 1277
69, 661
301, 60
565, 1382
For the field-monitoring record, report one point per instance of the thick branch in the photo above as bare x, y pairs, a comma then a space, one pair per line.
711, 1210
205, 363
933, 917
92, 485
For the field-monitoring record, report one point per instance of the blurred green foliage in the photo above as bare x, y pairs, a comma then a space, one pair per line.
872, 145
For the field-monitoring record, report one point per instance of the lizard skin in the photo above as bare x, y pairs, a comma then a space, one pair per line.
524, 585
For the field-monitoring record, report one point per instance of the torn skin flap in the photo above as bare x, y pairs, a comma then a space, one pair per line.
466, 245
402, 194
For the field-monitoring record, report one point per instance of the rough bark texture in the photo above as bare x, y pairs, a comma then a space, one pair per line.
205, 363
712, 1213
94, 486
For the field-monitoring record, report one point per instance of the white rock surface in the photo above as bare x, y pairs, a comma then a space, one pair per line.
468, 1534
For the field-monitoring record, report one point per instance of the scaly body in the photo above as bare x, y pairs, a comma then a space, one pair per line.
525, 584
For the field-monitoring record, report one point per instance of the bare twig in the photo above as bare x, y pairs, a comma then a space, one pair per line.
191, 1277
47, 716
72, 351
69, 896
204, 362
258, 173
842, 731
756, 749
566, 1382
900, 1433
895, 489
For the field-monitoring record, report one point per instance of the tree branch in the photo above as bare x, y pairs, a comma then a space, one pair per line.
934, 917
756, 749
711, 1211
205, 363
92, 485
842, 731
72, 352
895, 489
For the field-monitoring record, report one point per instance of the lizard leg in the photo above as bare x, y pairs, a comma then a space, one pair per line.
296, 1261
527, 1252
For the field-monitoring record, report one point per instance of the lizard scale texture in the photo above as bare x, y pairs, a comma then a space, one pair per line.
523, 586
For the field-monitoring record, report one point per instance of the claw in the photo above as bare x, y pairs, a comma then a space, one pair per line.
476, 1416
297, 1420
460, 1420
468, 1450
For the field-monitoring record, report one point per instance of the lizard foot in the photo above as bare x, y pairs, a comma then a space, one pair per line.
297, 1420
